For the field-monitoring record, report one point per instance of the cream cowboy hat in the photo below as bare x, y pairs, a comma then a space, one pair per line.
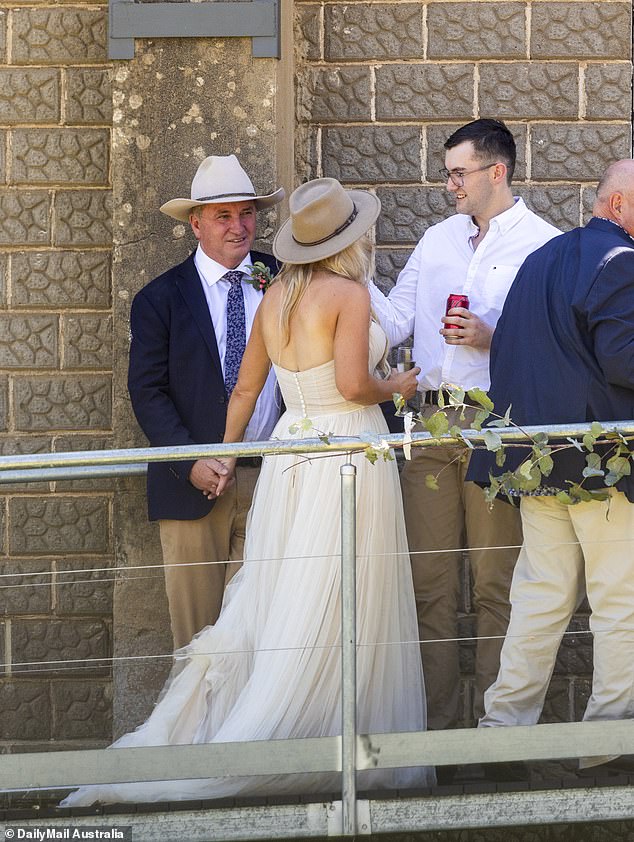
325, 219
219, 179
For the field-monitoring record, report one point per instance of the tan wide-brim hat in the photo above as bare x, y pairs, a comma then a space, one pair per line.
325, 219
220, 179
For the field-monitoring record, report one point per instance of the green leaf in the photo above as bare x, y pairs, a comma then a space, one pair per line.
565, 498
546, 464
500, 457
619, 465
294, 428
492, 440
431, 482
481, 398
593, 469
480, 417
541, 439
596, 429
437, 424
455, 431
456, 396
588, 441
371, 455
324, 437
525, 469
399, 401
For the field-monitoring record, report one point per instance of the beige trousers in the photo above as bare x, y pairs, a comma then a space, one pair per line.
195, 591
569, 550
440, 524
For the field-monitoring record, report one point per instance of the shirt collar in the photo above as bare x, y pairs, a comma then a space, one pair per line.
211, 271
503, 221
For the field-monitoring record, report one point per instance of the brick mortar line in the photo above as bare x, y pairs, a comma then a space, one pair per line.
329, 64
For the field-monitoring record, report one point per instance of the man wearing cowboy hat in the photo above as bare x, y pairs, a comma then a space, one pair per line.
189, 327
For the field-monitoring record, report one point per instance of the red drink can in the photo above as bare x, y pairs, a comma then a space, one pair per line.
456, 300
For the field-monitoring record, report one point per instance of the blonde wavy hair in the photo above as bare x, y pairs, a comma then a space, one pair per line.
356, 262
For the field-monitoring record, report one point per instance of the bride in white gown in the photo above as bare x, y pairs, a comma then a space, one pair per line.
270, 668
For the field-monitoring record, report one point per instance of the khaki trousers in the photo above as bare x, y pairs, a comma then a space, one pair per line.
569, 550
195, 591
440, 524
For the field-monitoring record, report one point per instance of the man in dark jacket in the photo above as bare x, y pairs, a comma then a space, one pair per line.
562, 352
189, 327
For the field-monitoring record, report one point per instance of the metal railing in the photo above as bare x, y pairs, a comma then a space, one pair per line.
347, 754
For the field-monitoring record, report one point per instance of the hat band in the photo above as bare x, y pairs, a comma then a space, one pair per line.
341, 228
222, 196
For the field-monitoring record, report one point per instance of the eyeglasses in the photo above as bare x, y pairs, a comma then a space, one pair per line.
458, 178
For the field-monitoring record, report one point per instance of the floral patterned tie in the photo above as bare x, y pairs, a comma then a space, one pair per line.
236, 329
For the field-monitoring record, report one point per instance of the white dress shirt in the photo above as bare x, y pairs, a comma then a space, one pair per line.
267, 408
444, 262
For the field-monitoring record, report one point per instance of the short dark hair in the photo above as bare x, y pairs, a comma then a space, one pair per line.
490, 139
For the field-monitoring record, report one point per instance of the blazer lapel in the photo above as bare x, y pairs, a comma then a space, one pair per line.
192, 291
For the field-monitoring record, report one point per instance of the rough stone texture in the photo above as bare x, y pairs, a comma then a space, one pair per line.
3, 282
26, 710
50, 36
28, 590
60, 156
336, 91
424, 92
588, 197
63, 403
308, 21
372, 154
28, 341
406, 212
438, 134
3, 35
82, 709
84, 587
557, 205
71, 642
13, 445
377, 31
4, 403
73, 443
530, 90
557, 704
583, 30
61, 525
68, 279
607, 86
389, 263
575, 653
88, 97
476, 30
87, 342
29, 95
577, 151
83, 218
24, 218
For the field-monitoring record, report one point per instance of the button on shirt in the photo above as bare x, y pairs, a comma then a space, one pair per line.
216, 290
444, 262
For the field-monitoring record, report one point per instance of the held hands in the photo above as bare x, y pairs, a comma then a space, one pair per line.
212, 476
405, 382
468, 329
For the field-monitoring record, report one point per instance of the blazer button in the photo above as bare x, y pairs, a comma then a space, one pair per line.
222, 399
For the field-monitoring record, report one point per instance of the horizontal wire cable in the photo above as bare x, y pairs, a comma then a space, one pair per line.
76, 664
161, 565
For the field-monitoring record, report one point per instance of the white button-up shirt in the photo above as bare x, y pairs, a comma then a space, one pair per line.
267, 408
445, 262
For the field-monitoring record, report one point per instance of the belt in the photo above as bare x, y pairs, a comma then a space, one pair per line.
430, 398
249, 461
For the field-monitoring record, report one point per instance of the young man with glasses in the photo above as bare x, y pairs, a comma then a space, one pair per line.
475, 252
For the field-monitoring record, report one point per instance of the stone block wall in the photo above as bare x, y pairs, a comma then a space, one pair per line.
56, 540
381, 85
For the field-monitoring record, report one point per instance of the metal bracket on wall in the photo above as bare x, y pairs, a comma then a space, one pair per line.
255, 19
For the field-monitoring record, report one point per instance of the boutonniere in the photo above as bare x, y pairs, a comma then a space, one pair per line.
260, 277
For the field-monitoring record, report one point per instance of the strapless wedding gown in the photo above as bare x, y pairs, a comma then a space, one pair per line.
270, 668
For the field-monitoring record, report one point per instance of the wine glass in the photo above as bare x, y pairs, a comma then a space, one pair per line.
404, 358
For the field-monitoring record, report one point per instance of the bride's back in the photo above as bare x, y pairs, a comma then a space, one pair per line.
313, 322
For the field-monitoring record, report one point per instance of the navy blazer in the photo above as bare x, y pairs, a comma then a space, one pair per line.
563, 349
175, 382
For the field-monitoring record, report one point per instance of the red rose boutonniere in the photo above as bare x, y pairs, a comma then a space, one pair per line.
260, 277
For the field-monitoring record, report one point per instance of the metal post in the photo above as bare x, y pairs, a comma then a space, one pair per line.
348, 649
